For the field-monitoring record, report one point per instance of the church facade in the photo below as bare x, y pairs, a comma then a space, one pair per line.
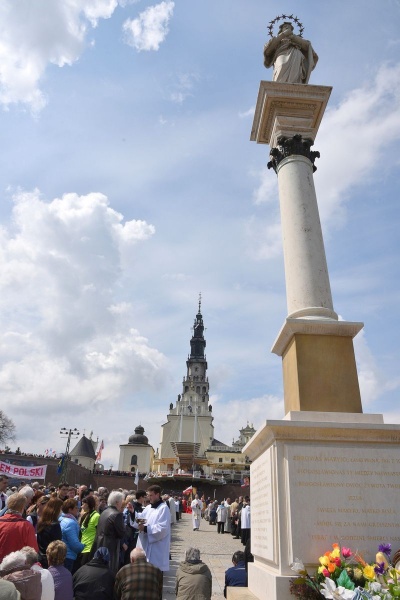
189, 430
187, 437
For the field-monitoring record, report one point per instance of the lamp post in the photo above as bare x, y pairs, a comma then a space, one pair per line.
63, 467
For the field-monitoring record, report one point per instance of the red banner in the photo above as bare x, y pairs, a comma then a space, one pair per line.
22, 472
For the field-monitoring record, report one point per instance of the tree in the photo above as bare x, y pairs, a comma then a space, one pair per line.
7, 428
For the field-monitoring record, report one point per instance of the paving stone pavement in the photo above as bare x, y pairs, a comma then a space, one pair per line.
216, 551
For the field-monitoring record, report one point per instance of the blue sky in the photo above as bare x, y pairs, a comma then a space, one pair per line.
129, 184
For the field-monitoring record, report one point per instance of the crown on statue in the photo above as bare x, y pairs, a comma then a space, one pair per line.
291, 18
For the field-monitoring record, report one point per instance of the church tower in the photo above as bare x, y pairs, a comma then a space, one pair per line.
189, 429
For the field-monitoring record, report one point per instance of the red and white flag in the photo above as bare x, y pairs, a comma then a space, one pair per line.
100, 450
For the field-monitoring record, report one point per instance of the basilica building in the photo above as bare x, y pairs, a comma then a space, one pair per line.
189, 430
187, 442
188, 445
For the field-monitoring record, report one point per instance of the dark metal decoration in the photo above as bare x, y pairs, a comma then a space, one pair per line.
287, 146
285, 18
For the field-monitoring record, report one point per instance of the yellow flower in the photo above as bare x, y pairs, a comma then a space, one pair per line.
357, 573
336, 551
324, 560
369, 572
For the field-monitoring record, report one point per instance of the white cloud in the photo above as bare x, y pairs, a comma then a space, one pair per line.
352, 140
35, 34
176, 277
233, 415
264, 238
247, 113
132, 231
267, 191
183, 87
369, 377
66, 344
374, 382
150, 28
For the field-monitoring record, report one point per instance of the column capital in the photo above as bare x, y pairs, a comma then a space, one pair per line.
288, 146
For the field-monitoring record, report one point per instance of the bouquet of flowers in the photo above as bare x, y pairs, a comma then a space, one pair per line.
344, 575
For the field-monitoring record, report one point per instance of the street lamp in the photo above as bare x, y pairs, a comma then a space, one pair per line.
63, 466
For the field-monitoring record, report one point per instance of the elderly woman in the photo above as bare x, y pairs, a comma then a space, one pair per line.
56, 553
111, 529
15, 531
28, 492
193, 578
46, 577
13, 568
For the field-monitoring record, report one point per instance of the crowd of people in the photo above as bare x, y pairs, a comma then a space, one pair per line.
73, 543
233, 518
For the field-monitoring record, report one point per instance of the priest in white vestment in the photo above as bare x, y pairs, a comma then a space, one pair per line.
196, 507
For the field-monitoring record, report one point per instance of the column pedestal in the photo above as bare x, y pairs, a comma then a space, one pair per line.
316, 479
319, 366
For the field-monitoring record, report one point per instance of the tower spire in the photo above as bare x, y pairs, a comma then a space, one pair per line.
198, 343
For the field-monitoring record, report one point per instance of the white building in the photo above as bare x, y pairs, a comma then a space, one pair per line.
84, 453
137, 454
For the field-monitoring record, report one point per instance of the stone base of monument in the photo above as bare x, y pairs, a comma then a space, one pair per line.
318, 478
319, 365
239, 593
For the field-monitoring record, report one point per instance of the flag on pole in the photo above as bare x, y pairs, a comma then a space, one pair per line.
137, 478
60, 464
188, 490
100, 450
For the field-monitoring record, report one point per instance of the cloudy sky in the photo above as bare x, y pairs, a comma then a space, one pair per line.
128, 185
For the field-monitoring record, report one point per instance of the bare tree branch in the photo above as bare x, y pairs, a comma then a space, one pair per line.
7, 428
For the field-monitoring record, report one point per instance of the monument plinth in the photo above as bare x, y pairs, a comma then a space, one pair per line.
319, 478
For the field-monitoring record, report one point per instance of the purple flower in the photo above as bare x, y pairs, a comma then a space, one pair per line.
379, 568
385, 548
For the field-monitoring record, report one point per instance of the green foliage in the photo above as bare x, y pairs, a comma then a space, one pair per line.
345, 581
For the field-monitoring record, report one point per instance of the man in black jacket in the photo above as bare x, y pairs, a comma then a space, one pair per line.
111, 529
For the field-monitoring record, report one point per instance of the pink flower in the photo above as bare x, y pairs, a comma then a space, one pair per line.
337, 561
326, 573
346, 552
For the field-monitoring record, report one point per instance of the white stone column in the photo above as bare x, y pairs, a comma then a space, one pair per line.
307, 280
318, 361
